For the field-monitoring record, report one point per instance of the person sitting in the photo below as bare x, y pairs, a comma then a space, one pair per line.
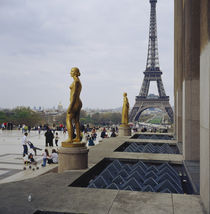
53, 158
144, 129
90, 141
113, 134
103, 133
31, 159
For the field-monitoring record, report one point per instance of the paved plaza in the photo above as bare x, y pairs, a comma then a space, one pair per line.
50, 191
11, 158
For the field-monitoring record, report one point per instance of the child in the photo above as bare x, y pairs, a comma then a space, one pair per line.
31, 159
31, 145
45, 157
56, 138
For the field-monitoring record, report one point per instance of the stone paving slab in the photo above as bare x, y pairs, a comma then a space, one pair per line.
11, 168
21, 174
128, 202
187, 204
11, 159
16, 159
3, 171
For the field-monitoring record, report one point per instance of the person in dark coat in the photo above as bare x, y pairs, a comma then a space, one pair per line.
90, 141
113, 134
49, 138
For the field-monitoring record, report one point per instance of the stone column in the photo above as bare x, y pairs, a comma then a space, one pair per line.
178, 66
191, 81
205, 104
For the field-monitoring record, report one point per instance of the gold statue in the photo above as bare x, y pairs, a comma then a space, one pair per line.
125, 111
73, 111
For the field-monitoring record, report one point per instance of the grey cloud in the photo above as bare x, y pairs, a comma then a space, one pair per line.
42, 39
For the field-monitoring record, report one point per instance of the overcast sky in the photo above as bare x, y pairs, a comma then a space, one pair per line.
41, 40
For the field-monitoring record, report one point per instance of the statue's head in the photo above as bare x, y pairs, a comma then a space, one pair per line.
75, 72
124, 94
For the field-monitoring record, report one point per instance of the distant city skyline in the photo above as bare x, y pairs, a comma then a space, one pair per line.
41, 40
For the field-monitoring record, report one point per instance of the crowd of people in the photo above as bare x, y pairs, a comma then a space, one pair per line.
29, 150
6, 126
90, 135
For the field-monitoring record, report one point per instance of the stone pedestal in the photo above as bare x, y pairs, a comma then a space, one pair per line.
72, 158
124, 131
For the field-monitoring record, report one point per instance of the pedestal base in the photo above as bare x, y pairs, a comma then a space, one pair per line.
124, 131
72, 158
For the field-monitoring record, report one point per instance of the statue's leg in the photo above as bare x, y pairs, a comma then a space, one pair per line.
77, 125
69, 127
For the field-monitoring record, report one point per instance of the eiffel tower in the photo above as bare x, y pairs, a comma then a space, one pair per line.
152, 73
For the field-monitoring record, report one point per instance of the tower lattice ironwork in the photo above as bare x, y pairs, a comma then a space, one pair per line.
152, 73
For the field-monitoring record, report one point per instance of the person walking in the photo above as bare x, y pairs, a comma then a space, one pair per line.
49, 138
24, 143
39, 130
56, 138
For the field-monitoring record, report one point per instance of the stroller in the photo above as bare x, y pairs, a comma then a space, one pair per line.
30, 162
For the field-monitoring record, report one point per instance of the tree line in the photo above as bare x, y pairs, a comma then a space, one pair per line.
20, 115
25, 115
107, 118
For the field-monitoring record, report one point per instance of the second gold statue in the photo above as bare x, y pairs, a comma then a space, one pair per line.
125, 111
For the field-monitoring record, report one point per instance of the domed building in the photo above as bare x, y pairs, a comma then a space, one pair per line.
60, 107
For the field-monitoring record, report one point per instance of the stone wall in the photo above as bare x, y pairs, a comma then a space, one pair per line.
187, 76
205, 104
178, 66
192, 85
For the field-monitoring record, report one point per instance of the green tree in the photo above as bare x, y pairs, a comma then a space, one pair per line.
96, 118
20, 115
23, 115
3, 117
61, 119
106, 118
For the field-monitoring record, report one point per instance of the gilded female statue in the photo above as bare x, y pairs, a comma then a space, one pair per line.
125, 110
73, 111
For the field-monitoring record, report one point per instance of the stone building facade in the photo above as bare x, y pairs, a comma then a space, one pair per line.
192, 86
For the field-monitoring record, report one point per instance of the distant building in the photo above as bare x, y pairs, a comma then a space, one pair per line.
60, 107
